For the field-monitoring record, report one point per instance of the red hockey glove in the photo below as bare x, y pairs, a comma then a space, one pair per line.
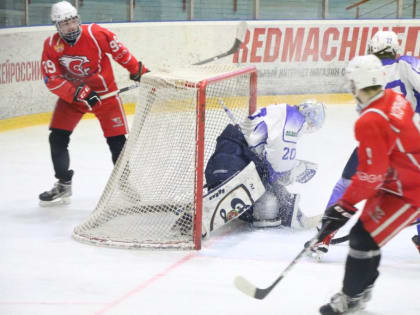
142, 70
84, 94
335, 217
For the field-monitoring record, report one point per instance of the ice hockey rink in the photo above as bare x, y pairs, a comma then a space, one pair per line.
44, 271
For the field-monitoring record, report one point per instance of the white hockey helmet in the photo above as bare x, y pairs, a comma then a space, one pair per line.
384, 42
63, 12
314, 113
365, 71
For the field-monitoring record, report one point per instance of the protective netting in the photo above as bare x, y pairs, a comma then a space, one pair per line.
150, 200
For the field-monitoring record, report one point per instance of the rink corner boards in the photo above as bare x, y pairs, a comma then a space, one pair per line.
44, 118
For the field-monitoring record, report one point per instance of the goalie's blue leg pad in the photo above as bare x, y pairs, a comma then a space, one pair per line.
338, 190
351, 166
418, 227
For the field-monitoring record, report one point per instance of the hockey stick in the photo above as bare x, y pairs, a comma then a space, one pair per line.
239, 39
339, 240
250, 289
240, 36
229, 113
345, 238
125, 89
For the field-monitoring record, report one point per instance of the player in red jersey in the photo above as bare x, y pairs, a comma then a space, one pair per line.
388, 177
76, 67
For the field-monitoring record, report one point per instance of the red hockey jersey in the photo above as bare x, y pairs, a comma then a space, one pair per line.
388, 132
65, 66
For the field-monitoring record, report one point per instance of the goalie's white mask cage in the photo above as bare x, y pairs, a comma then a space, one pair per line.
153, 198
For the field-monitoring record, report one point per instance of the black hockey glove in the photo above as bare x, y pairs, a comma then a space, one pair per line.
142, 70
86, 95
335, 217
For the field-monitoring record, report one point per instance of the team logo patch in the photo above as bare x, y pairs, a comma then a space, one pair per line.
117, 122
231, 206
76, 65
291, 133
376, 214
59, 47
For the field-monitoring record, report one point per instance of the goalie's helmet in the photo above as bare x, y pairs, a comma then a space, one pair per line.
65, 17
365, 71
314, 113
384, 42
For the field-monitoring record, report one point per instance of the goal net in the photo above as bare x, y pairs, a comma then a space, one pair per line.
153, 198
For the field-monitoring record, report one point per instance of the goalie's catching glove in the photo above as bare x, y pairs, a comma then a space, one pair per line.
87, 96
142, 70
335, 217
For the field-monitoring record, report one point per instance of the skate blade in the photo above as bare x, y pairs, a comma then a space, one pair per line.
57, 202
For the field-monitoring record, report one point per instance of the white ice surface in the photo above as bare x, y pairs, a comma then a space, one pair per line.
44, 271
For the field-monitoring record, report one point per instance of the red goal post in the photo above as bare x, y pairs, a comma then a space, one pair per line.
154, 196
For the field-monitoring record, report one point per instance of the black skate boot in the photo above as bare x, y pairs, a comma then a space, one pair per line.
60, 194
342, 304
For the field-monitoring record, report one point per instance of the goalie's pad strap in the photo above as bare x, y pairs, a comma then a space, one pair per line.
232, 198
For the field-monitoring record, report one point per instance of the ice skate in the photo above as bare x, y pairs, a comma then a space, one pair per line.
366, 296
59, 195
341, 304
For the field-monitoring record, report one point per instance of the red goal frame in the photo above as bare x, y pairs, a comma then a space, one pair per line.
200, 127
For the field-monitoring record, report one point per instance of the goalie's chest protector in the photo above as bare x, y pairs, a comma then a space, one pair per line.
284, 128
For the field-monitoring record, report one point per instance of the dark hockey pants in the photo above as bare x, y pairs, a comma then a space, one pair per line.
59, 140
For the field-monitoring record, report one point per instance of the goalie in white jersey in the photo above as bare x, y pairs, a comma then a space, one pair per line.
402, 75
269, 138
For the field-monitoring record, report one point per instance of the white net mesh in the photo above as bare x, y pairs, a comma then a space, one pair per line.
150, 200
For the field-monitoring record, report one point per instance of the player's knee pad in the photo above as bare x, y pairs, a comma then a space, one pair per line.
361, 240
59, 140
116, 145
